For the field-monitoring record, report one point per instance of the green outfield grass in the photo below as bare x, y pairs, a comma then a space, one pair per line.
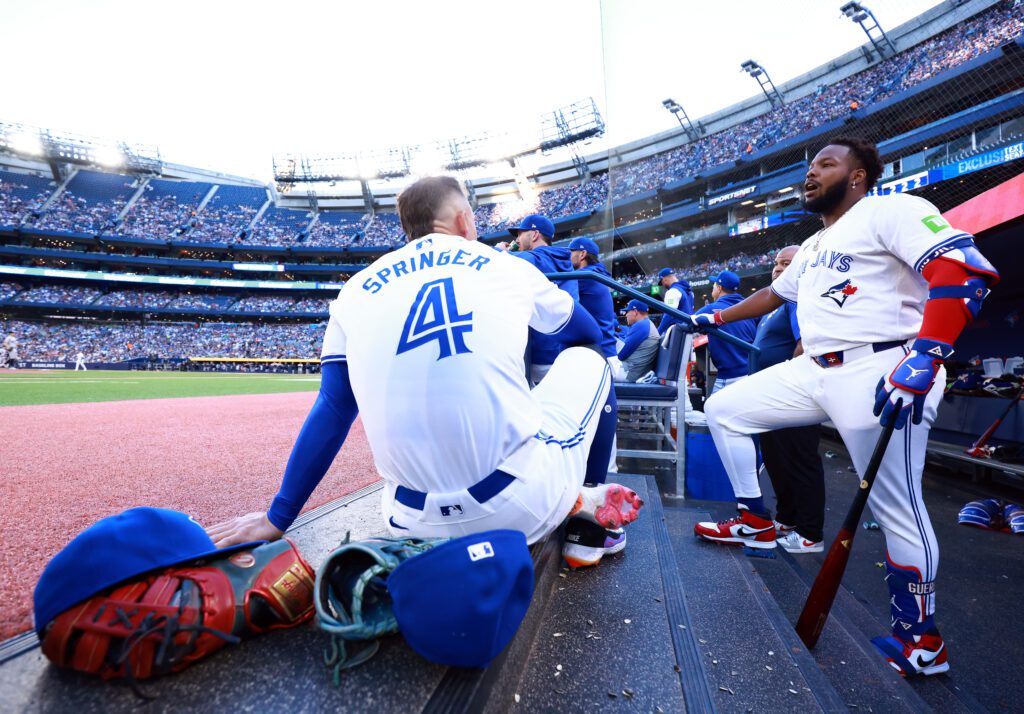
63, 387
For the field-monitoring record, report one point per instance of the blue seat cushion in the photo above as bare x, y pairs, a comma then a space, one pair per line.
625, 390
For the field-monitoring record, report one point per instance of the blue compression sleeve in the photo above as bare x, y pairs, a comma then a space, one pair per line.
580, 329
638, 332
599, 458
322, 435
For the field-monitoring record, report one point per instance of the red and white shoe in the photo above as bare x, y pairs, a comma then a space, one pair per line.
745, 529
781, 529
927, 655
608, 504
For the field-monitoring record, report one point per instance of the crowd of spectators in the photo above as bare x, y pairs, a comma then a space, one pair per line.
14, 205
54, 294
157, 218
703, 269
39, 342
75, 214
263, 303
135, 298
163, 216
220, 225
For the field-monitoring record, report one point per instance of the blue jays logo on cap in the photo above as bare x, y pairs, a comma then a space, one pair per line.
727, 279
535, 222
584, 244
840, 292
636, 305
665, 272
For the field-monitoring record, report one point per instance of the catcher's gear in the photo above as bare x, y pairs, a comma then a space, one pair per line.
351, 595
165, 621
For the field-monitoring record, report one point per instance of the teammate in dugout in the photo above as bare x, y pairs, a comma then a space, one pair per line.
437, 373
677, 294
597, 298
882, 291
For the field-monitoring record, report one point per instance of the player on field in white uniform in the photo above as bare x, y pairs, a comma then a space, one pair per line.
80, 362
11, 346
427, 344
882, 292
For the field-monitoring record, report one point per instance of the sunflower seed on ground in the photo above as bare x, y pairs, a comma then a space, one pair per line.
793, 691
703, 642
628, 693
590, 622
714, 661
769, 668
677, 668
558, 667
558, 634
726, 689
613, 695
627, 621
657, 599
517, 699
770, 653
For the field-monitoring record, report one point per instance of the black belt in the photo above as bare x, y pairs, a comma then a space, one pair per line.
834, 359
482, 491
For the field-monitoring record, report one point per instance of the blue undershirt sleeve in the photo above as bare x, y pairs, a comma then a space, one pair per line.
793, 324
634, 338
321, 437
580, 329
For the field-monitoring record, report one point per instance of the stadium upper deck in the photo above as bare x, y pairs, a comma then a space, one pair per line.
935, 93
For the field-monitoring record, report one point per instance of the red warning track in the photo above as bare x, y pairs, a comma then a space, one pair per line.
64, 466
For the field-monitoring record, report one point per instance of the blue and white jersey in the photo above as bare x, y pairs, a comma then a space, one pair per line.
859, 281
434, 336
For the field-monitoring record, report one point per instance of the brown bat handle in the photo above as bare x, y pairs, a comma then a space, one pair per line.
983, 439
826, 584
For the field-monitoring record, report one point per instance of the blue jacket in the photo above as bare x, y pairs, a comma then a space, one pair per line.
597, 299
731, 361
685, 303
548, 259
777, 335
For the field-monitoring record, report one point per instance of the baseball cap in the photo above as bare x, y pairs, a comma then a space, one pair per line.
727, 279
116, 549
535, 222
665, 272
461, 602
636, 305
584, 244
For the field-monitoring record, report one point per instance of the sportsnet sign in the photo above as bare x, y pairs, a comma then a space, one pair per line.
738, 193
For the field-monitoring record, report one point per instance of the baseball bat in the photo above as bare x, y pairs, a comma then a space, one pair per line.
978, 448
826, 585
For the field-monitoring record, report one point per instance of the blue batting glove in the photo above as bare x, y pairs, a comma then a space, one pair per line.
909, 383
706, 321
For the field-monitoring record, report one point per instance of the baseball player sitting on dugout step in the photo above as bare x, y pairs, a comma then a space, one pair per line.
427, 344
882, 292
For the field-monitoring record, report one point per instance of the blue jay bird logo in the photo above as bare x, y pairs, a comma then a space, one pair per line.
840, 292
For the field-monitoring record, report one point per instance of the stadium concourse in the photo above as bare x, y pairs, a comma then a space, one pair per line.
156, 270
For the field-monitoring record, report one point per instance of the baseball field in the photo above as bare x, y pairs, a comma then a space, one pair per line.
75, 448
63, 387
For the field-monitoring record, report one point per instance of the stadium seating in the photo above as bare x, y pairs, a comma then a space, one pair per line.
165, 209
89, 203
21, 194
335, 228
227, 215
278, 226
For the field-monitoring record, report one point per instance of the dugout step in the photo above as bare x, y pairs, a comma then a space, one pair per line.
284, 670
610, 635
754, 659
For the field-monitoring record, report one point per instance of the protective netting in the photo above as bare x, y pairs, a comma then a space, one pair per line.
947, 112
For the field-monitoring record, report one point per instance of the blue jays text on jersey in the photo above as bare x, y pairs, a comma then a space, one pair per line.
425, 258
830, 259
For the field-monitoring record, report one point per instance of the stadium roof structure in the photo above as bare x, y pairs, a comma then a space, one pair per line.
557, 129
67, 148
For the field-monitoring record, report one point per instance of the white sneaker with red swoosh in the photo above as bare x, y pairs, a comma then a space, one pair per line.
793, 542
745, 529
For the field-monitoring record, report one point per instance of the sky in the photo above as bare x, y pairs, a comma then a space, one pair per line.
224, 85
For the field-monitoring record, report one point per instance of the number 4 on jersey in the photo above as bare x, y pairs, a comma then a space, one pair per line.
434, 316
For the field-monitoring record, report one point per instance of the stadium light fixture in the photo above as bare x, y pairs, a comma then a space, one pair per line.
867, 21
27, 143
108, 156
759, 73
787, 189
680, 114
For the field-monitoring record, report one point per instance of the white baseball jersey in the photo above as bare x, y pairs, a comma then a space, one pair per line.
434, 335
859, 281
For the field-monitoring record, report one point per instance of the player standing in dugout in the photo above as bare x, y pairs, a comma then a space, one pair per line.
883, 290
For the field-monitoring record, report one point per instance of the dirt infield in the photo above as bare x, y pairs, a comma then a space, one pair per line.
64, 466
